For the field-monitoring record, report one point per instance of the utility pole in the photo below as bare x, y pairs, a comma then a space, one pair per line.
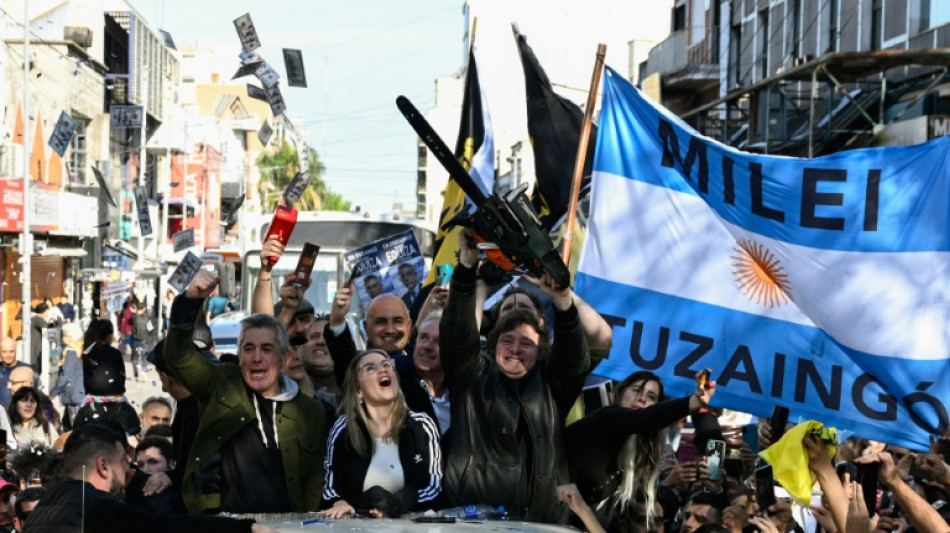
26, 240
143, 160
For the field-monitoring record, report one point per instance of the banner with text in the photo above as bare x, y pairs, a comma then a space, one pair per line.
819, 284
387, 266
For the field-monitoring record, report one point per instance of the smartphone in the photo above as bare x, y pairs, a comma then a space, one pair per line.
867, 477
686, 452
443, 274
349, 281
777, 422
704, 377
285, 218
750, 436
715, 455
308, 258
764, 488
847, 468
733, 467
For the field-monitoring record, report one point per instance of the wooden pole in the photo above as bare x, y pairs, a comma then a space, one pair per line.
580, 160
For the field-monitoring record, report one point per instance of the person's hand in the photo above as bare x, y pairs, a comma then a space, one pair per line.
156, 483
468, 255
859, 521
748, 458
934, 464
202, 285
572, 497
261, 528
702, 393
703, 473
734, 517
780, 514
683, 474
291, 292
667, 463
887, 474
823, 517
340, 306
434, 301
560, 296
890, 524
817, 452
904, 465
764, 524
340, 509
765, 433
271, 248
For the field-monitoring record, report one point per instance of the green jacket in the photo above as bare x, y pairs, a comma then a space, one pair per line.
226, 408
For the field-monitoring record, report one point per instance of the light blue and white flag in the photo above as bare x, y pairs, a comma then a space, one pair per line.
819, 284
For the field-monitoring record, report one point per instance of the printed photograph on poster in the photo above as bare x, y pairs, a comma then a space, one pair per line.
376, 266
406, 278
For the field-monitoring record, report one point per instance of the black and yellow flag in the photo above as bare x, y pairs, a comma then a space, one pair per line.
475, 150
554, 125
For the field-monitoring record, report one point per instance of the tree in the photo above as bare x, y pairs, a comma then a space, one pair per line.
278, 169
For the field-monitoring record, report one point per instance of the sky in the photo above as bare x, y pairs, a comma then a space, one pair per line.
358, 57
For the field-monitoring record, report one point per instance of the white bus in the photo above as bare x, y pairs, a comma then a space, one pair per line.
335, 232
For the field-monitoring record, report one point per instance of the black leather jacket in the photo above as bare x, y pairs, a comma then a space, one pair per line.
483, 453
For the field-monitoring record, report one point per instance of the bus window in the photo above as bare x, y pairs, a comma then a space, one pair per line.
323, 283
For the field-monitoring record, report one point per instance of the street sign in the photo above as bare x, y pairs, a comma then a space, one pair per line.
125, 116
66, 127
141, 205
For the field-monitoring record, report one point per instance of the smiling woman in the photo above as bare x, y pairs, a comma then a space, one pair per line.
381, 456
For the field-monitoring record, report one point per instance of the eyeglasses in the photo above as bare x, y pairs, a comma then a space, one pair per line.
373, 368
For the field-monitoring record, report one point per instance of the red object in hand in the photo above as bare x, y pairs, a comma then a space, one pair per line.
285, 218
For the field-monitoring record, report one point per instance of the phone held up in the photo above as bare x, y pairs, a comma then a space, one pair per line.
715, 455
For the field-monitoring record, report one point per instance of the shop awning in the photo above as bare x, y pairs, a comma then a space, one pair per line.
63, 252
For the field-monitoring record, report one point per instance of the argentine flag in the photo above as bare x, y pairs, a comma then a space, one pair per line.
819, 284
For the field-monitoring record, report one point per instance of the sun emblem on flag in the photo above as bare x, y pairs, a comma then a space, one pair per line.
759, 274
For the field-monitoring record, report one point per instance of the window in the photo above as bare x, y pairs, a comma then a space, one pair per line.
832, 26
795, 30
679, 17
77, 154
735, 48
876, 28
763, 38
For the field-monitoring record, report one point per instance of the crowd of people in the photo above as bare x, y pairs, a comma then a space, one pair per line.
453, 407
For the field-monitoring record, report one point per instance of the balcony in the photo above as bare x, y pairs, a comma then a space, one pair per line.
683, 66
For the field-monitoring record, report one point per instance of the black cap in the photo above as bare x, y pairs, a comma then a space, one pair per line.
304, 307
156, 357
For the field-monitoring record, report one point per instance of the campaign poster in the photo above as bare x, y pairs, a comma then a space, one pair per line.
387, 266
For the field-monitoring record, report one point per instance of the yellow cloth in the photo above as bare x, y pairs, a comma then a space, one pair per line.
789, 458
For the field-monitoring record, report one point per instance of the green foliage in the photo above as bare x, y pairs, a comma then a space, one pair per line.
278, 169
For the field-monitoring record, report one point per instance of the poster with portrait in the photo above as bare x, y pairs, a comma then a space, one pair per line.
389, 265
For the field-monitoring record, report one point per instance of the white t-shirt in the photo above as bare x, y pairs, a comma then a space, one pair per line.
385, 468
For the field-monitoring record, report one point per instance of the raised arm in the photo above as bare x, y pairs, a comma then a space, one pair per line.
596, 329
337, 335
263, 298
918, 511
459, 343
194, 371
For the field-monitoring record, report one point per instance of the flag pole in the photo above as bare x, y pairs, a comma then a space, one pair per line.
580, 160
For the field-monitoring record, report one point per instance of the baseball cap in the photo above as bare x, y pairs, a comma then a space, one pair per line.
4, 485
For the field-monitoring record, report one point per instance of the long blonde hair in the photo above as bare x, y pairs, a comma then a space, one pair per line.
72, 338
353, 409
638, 459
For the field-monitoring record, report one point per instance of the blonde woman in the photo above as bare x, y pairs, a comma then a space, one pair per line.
614, 453
69, 385
381, 456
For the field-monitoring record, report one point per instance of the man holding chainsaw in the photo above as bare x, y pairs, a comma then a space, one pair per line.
508, 410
